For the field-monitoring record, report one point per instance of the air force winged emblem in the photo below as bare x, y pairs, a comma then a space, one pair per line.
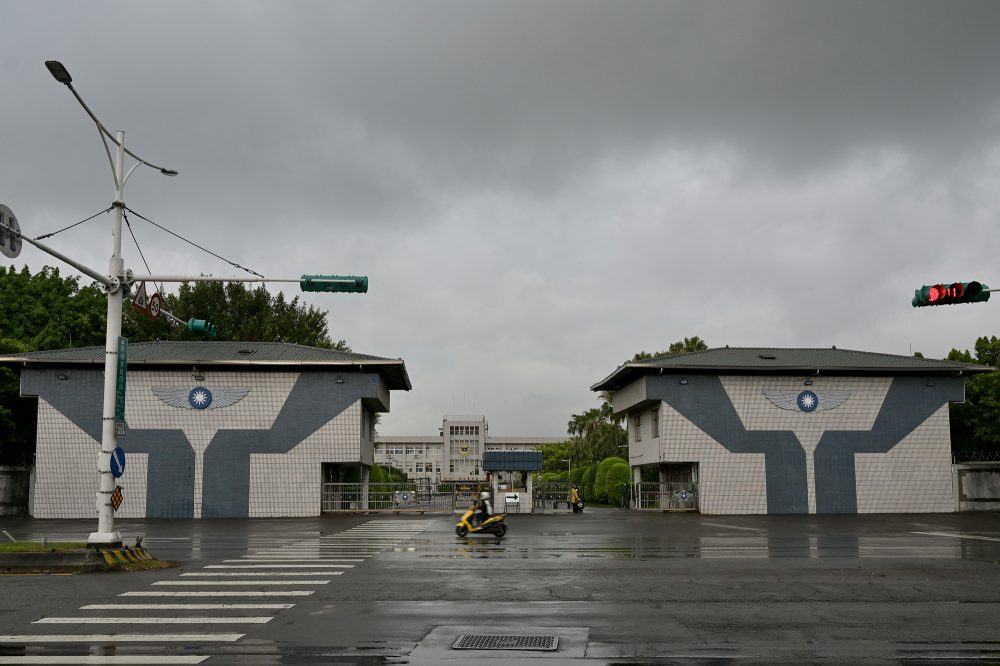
807, 401
200, 397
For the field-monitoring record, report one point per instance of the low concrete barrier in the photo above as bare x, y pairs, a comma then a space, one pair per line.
977, 486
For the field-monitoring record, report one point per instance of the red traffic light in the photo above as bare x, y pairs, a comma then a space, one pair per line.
939, 292
956, 292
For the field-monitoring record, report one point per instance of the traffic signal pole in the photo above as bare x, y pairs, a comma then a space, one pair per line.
106, 534
118, 285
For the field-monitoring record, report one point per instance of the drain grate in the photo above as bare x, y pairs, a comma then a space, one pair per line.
505, 642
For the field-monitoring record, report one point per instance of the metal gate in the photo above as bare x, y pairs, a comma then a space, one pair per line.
667, 496
550, 496
413, 496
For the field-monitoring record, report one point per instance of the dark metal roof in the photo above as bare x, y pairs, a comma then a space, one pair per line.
777, 361
242, 354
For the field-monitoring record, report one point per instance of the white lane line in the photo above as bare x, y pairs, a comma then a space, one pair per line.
107, 659
153, 620
265, 573
280, 566
226, 593
292, 558
128, 607
121, 638
958, 536
735, 527
241, 582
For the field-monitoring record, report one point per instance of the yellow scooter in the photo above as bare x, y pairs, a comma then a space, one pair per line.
493, 525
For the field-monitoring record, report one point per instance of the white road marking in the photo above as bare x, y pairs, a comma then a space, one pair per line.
121, 638
266, 573
735, 527
958, 536
153, 620
292, 558
129, 607
226, 593
280, 566
106, 659
241, 582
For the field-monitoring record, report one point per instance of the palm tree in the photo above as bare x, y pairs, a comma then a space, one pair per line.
692, 344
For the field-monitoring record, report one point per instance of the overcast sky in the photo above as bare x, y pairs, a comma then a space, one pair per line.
536, 190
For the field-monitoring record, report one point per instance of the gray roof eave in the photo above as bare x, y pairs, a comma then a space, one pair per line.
679, 364
393, 371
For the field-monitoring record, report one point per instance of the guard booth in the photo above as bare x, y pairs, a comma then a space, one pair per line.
510, 474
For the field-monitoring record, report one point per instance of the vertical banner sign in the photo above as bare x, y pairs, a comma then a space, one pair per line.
120, 390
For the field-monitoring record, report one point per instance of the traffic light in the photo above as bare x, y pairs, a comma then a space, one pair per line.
356, 284
203, 327
950, 294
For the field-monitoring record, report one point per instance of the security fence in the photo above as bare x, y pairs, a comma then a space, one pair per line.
667, 496
967, 457
452, 496
551, 496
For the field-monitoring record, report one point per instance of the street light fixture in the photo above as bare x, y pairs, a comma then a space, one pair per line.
569, 467
116, 286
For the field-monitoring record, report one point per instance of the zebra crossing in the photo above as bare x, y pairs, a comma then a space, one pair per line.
235, 593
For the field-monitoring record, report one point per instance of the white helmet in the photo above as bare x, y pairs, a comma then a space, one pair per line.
484, 495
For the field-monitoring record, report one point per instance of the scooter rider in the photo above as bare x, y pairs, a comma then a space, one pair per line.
485, 508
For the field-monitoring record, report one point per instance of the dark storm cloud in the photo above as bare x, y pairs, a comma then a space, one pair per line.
538, 189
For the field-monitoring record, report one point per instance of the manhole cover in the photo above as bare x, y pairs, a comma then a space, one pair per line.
505, 642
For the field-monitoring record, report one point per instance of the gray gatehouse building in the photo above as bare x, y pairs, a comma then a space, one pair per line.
213, 429
769, 431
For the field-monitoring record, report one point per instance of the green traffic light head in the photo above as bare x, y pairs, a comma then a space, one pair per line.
356, 284
202, 327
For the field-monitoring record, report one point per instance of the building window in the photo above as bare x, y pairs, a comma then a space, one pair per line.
655, 425
637, 427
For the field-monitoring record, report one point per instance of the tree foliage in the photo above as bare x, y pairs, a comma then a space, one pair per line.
602, 486
975, 424
48, 311
239, 313
594, 435
618, 477
692, 344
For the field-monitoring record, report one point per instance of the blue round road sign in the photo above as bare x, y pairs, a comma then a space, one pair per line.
118, 462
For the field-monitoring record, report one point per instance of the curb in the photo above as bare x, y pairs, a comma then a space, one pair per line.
70, 561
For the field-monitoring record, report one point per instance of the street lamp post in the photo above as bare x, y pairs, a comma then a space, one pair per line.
116, 286
569, 467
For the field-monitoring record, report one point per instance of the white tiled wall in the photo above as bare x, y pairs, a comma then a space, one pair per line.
66, 478
289, 484
730, 483
915, 476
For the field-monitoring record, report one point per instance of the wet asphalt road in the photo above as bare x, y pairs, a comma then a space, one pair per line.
610, 586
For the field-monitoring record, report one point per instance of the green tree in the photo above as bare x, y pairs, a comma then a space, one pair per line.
554, 456
49, 311
239, 313
594, 435
692, 344
618, 478
602, 488
975, 424
588, 482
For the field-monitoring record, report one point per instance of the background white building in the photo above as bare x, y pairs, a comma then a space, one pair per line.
454, 454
